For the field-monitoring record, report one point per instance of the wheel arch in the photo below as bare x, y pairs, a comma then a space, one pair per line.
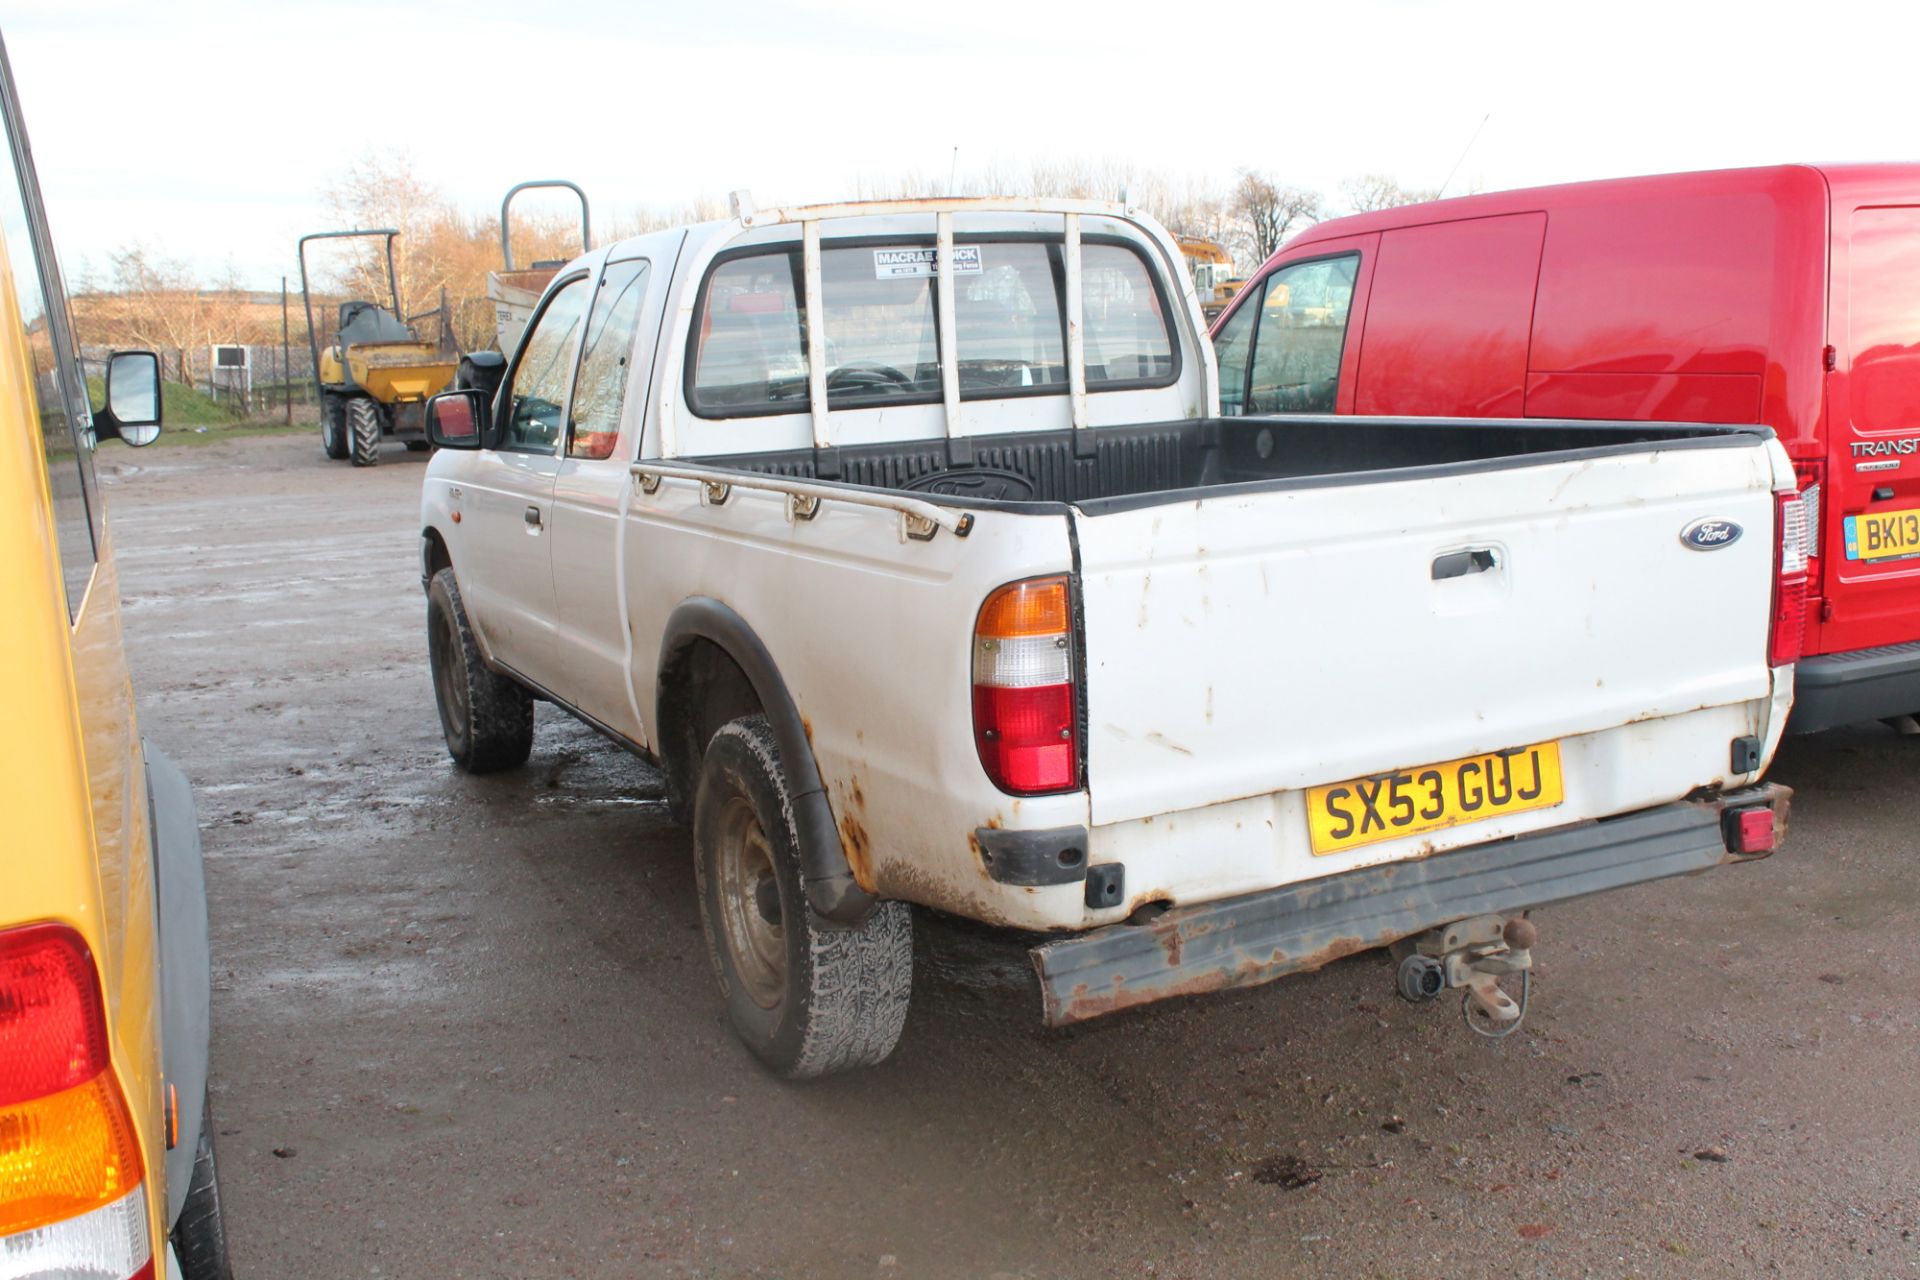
434, 555
712, 663
186, 969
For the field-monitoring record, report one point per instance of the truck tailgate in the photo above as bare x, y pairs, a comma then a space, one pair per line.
1246, 642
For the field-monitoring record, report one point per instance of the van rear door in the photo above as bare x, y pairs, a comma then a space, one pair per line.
1870, 535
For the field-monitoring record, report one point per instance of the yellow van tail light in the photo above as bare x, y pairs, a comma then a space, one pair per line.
63, 1155
71, 1196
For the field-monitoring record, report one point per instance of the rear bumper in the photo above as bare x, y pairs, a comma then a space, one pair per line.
1833, 689
1246, 941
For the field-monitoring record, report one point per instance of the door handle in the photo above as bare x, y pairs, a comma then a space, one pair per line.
1458, 564
1883, 494
533, 516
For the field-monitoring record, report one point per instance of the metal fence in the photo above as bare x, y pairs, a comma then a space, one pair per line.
271, 383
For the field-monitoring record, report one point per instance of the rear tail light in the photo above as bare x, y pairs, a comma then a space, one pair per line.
1750, 830
71, 1196
1025, 705
1796, 536
1808, 476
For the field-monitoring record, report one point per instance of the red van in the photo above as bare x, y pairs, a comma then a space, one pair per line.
1788, 296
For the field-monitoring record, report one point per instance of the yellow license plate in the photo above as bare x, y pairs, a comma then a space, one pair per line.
1410, 802
1883, 535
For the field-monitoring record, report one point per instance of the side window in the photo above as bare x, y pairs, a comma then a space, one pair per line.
545, 370
68, 444
600, 391
1230, 349
1303, 328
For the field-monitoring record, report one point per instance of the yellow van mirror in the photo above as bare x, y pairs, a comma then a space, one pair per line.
133, 398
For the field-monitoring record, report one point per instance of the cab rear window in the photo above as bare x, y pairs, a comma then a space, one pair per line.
882, 333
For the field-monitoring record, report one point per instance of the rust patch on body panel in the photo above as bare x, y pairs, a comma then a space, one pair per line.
853, 834
1086, 1002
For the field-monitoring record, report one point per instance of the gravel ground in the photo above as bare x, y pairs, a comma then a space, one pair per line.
465, 1027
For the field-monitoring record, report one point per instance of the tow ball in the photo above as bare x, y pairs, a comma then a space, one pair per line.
1472, 956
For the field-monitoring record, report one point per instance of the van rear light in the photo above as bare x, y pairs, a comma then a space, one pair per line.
1795, 537
1807, 475
72, 1201
1026, 712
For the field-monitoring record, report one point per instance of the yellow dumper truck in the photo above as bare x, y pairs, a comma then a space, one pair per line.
377, 373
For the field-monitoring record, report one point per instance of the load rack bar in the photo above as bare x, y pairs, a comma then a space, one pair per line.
919, 520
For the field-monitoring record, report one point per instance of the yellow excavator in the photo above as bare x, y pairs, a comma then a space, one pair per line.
1212, 269
376, 375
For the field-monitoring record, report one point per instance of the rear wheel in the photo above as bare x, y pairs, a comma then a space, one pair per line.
200, 1236
333, 427
807, 997
487, 719
363, 431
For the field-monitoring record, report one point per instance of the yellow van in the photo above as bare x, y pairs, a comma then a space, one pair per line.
106, 1157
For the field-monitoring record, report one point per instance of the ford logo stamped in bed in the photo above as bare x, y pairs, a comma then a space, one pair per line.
1711, 534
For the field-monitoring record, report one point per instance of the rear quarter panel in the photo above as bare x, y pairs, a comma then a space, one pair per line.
872, 636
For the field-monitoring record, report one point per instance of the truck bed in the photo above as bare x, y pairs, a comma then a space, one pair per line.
1115, 468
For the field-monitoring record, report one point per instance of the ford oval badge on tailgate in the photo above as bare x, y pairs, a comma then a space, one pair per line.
1711, 534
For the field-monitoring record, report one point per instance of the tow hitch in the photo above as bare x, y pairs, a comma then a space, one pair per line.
1472, 956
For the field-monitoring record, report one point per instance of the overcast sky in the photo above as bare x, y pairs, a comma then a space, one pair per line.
211, 130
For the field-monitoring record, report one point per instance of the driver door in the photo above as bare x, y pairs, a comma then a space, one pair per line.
509, 590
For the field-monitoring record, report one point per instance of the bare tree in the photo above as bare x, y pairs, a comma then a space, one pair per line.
1266, 210
157, 302
1372, 191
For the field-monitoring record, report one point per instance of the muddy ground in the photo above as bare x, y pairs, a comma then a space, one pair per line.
464, 1027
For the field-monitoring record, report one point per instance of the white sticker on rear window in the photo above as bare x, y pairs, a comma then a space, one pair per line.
897, 264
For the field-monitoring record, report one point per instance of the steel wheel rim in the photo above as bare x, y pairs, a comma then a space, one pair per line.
746, 884
445, 649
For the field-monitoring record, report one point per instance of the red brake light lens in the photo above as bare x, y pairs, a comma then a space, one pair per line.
53, 1029
1025, 698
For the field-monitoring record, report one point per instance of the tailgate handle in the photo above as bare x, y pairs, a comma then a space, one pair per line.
1458, 564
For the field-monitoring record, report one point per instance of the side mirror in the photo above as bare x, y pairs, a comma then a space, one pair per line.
132, 412
454, 418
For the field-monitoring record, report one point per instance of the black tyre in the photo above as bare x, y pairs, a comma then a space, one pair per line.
363, 431
807, 997
333, 427
200, 1235
418, 446
487, 718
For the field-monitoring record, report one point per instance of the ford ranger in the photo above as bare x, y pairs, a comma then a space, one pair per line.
908, 540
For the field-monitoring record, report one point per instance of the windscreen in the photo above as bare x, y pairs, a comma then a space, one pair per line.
882, 335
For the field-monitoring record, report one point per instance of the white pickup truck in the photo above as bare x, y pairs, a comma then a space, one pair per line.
908, 540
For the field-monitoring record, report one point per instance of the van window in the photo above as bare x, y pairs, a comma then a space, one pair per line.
67, 444
600, 390
1302, 332
1230, 349
882, 332
1883, 325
